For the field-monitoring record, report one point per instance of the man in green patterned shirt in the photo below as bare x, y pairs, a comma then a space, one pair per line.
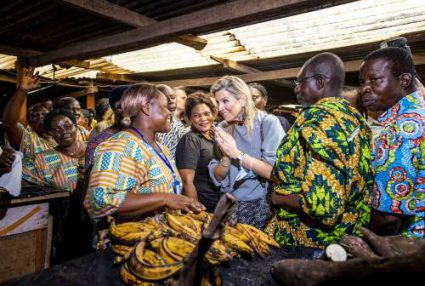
322, 171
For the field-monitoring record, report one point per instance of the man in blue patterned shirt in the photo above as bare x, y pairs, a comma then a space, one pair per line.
387, 80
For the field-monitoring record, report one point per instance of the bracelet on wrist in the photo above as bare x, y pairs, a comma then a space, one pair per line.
241, 157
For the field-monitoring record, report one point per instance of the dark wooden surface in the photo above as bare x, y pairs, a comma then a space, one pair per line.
97, 269
32, 193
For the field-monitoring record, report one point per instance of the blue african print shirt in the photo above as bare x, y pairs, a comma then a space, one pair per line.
399, 163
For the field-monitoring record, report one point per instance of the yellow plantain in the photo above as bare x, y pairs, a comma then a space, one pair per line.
177, 247
122, 250
154, 224
212, 278
236, 232
254, 241
153, 258
235, 243
168, 231
195, 225
130, 279
220, 251
156, 243
260, 247
138, 265
202, 216
198, 223
178, 226
211, 260
157, 234
168, 256
260, 235
129, 232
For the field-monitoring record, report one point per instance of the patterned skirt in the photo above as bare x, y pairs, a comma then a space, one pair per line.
256, 213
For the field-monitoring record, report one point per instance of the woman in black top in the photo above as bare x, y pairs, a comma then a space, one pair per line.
195, 150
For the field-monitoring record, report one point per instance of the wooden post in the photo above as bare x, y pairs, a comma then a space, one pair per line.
91, 100
19, 66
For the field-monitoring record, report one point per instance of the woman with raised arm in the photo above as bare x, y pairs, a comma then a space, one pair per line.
29, 139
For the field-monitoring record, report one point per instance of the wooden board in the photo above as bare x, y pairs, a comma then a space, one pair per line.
29, 200
24, 218
17, 254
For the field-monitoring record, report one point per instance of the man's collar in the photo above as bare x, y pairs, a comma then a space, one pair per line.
330, 98
393, 111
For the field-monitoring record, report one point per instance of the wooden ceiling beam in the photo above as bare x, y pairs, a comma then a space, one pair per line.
109, 11
238, 67
25, 53
63, 83
234, 66
75, 63
350, 66
7, 78
192, 41
125, 16
231, 14
128, 78
83, 92
19, 52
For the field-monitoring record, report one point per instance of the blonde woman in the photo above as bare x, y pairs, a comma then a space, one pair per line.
248, 139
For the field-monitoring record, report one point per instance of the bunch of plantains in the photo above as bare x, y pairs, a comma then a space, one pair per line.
154, 249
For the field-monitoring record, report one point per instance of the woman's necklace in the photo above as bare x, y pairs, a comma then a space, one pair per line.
75, 152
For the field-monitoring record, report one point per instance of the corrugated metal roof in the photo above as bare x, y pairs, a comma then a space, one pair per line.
345, 25
350, 24
56, 72
340, 26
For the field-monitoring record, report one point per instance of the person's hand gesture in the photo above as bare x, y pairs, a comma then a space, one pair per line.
226, 143
6, 160
181, 202
29, 80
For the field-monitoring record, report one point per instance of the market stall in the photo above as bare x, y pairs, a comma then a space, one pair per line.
26, 230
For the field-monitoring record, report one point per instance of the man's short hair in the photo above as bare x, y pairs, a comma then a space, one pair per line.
401, 60
328, 65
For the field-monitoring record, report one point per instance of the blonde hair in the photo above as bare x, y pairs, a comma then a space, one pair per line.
238, 89
133, 99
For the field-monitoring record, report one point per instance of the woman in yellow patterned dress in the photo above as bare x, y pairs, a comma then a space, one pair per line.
133, 175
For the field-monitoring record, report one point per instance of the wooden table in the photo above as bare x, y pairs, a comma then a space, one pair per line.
97, 268
26, 230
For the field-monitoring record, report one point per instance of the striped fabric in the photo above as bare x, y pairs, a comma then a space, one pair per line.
172, 138
82, 134
31, 144
56, 169
125, 163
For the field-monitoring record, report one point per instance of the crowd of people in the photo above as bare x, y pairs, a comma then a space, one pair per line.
157, 148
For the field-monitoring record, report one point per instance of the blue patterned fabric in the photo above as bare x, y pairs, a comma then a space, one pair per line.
399, 163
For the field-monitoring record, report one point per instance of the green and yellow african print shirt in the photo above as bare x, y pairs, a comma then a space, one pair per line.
326, 160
